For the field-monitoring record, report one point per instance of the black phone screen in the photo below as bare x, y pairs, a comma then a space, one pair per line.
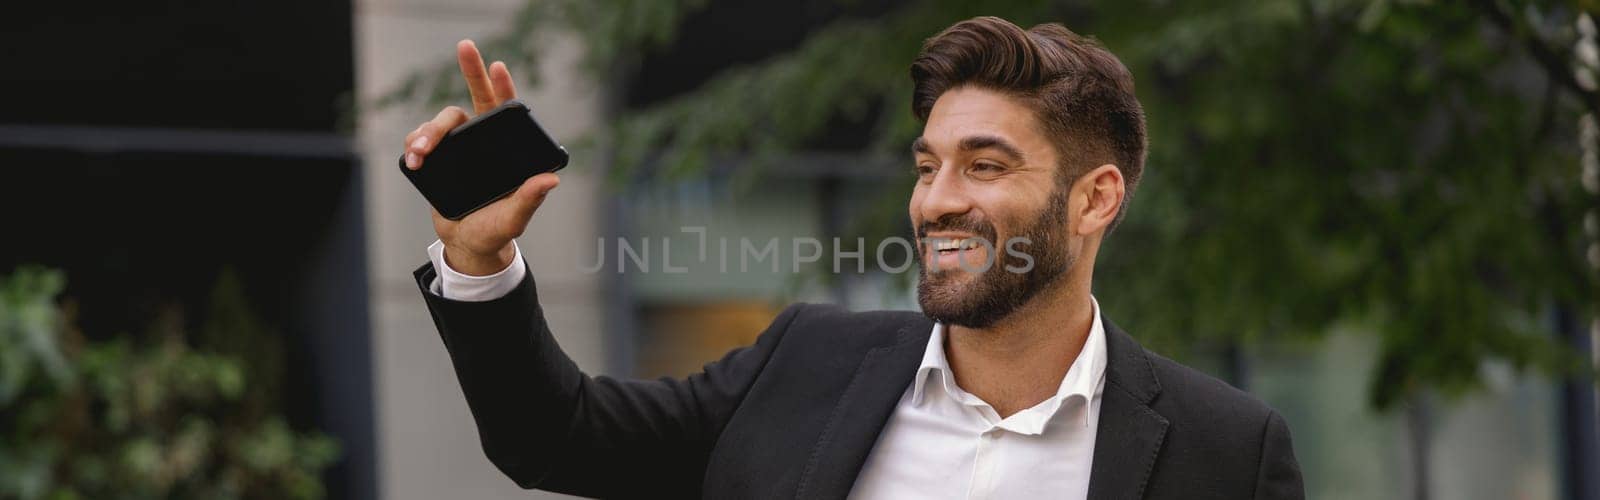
484, 160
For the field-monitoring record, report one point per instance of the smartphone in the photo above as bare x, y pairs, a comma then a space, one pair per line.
484, 160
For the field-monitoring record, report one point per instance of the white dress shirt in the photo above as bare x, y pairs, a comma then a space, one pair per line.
941, 441
453, 285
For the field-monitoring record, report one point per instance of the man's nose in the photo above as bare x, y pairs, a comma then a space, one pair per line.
945, 196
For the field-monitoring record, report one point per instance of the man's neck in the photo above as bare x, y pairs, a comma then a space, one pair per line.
1020, 361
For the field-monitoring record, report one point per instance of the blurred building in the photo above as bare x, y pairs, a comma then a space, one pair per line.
151, 148
427, 444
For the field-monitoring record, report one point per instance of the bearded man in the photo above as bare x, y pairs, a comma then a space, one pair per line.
1009, 384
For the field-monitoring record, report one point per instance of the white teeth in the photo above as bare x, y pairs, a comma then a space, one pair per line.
955, 244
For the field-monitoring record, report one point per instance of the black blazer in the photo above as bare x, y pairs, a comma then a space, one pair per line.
795, 414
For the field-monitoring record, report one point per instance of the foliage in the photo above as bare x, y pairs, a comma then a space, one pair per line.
1398, 167
613, 29
146, 418
1406, 168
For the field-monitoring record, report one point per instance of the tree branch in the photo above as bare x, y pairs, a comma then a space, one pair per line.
1554, 64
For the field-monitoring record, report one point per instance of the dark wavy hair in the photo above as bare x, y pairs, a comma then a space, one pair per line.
1082, 94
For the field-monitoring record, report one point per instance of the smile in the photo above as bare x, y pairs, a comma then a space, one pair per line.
959, 244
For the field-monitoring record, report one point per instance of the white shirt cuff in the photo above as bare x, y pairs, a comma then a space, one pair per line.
450, 284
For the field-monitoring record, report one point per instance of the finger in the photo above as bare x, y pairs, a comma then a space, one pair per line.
532, 194
500, 80
483, 98
412, 135
434, 130
430, 133
412, 160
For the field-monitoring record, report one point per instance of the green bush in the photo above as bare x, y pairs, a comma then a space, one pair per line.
141, 416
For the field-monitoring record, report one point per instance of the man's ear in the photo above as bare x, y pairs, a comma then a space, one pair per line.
1096, 197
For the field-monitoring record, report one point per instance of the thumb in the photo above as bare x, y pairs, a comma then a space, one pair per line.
533, 191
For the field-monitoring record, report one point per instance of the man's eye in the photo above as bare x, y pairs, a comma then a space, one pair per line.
986, 168
925, 171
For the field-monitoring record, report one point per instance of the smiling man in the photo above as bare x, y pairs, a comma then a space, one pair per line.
1009, 384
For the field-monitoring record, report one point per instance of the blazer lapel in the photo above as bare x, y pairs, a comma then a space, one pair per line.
1130, 433
861, 412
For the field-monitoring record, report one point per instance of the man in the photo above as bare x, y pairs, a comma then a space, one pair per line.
1009, 384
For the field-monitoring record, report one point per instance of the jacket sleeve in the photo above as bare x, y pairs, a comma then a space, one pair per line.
549, 426
1278, 476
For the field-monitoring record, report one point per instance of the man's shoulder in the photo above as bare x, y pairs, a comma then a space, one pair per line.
834, 313
834, 323
1191, 398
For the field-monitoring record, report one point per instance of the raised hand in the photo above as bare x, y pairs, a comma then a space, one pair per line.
480, 243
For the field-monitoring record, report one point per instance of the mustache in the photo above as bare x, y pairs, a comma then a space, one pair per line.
957, 223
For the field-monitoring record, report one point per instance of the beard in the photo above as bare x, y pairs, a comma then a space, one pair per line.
950, 296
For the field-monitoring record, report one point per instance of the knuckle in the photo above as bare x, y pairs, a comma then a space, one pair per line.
452, 116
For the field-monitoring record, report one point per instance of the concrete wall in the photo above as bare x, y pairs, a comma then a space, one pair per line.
427, 443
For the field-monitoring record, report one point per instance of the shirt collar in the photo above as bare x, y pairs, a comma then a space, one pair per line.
1084, 379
